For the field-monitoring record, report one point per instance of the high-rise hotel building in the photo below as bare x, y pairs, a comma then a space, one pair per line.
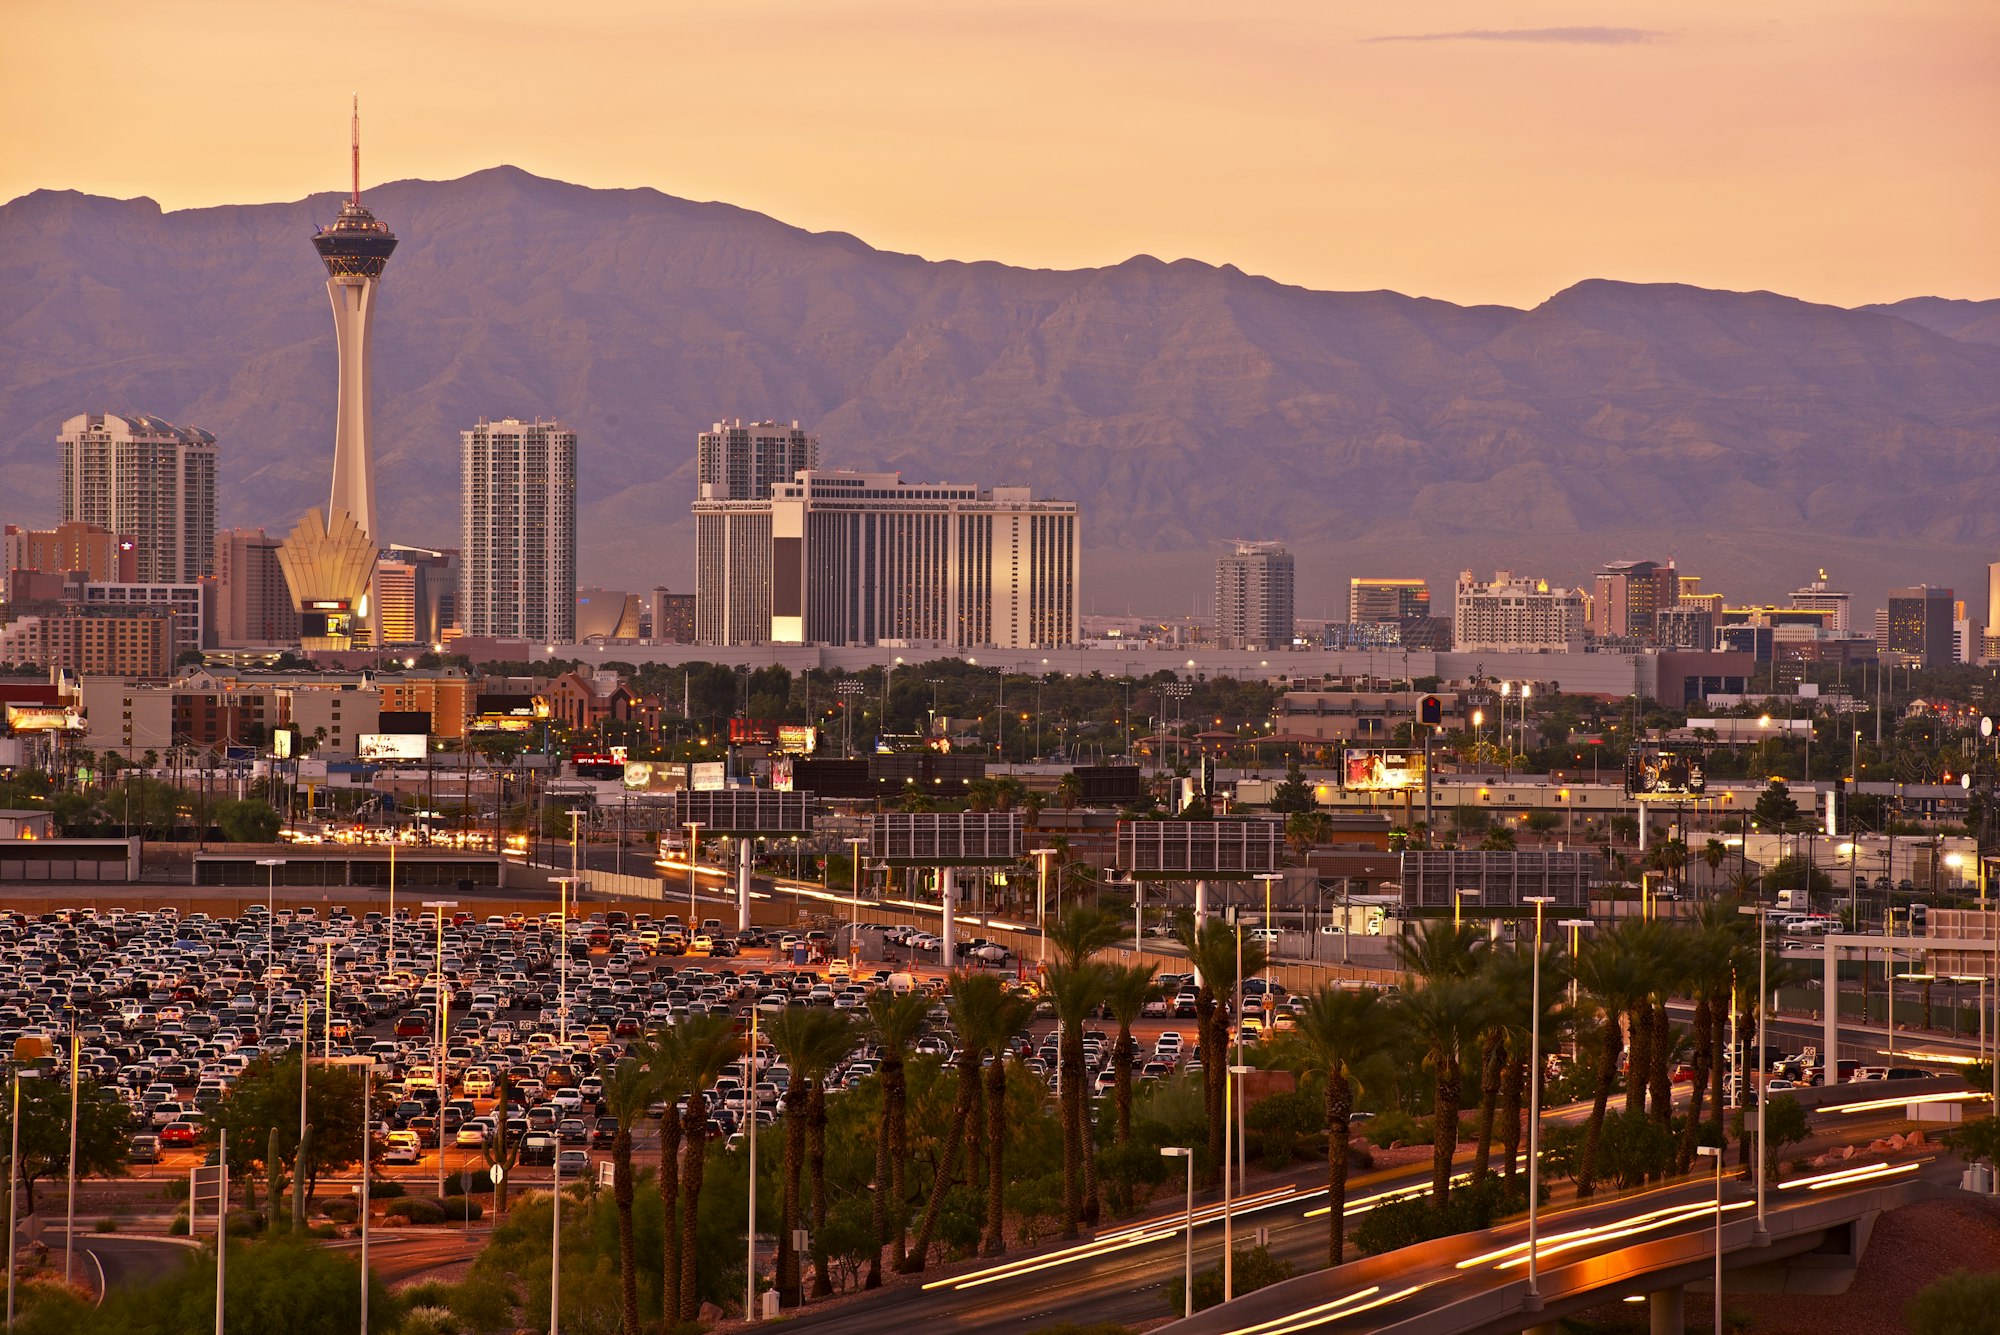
150, 482
866, 558
517, 561
1253, 597
742, 461
1510, 615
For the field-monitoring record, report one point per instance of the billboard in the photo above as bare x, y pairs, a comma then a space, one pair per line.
391, 746
1369, 769
946, 838
743, 811
707, 776
597, 764
1665, 771
1200, 848
283, 742
654, 776
44, 718
797, 739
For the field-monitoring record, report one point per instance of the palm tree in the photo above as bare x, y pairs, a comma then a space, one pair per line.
1075, 990
1339, 1031
809, 1041
1069, 790
897, 1021
1508, 976
1712, 854
1008, 1016
1442, 950
832, 1039
709, 1046
662, 1054
1127, 989
1212, 948
1617, 978
1447, 1015
974, 997
627, 1093
1306, 830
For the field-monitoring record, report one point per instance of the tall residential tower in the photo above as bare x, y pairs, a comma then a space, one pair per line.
1253, 597
517, 563
150, 482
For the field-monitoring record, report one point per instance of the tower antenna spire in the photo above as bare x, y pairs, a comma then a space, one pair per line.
356, 129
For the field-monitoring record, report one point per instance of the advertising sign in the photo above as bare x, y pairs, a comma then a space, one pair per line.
1665, 771
797, 739
707, 776
1373, 770
390, 746
282, 742
44, 718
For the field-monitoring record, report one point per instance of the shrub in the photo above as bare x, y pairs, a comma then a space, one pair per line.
482, 1303
429, 1293
343, 1209
178, 1228
1405, 1223
1279, 1122
1962, 1303
246, 1223
462, 1208
429, 1321
106, 1226
386, 1190
1633, 1148
469, 1183
1255, 1267
1393, 1127
416, 1210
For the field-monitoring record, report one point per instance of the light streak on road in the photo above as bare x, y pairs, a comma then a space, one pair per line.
1876, 1105
1367, 1203
1625, 1228
1317, 1316
1844, 1177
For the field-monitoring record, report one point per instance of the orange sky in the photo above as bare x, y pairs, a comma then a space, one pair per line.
1839, 150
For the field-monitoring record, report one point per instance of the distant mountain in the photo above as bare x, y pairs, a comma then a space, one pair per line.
1750, 435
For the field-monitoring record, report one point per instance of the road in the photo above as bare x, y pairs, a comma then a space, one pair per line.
1121, 1276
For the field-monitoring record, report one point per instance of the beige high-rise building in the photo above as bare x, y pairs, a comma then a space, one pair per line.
1378, 600
517, 563
742, 461
1253, 597
148, 480
866, 558
253, 604
1510, 615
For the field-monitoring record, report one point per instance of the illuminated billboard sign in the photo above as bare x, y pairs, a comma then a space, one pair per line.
390, 746
707, 776
797, 739
1374, 770
1665, 771
44, 718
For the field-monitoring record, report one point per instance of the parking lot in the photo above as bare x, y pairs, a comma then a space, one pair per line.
171, 1005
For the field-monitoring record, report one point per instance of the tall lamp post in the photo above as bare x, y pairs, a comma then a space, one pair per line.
1763, 1237
1187, 1282
1715, 1152
443, 1017
75, 1089
1041, 856
750, 1234
366, 1065
694, 853
854, 901
270, 929
563, 884
1534, 1300
1458, 898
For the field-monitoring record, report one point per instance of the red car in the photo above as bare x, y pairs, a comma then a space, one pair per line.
177, 1135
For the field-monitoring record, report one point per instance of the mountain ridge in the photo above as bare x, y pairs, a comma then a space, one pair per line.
1183, 402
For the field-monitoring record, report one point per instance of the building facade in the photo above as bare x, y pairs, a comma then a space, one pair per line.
517, 571
1510, 615
1917, 627
1819, 596
253, 604
189, 603
149, 481
134, 642
1253, 597
1630, 595
673, 617
95, 553
865, 558
742, 461
1381, 600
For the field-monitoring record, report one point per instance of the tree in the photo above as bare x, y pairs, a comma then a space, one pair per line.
626, 1093
708, 1045
1776, 809
1009, 1015
1127, 989
663, 1055
1447, 1014
1307, 830
801, 1036
830, 1046
1499, 839
1616, 976
1213, 949
1075, 990
1785, 1125
261, 1113
897, 1022
103, 1132
1338, 1033
973, 998
1961, 1303
247, 821
1294, 795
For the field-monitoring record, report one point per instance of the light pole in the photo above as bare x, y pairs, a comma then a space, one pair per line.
1458, 898
1041, 856
443, 1016
75, 1088
563, 884
1187, 1283
555, 1237
1715, 1152
1763, 1238
1576, 926
854, 902
750, 1234
270, 929
14, 1182
367, 1067
694, 851
326, 1010
1534, 1300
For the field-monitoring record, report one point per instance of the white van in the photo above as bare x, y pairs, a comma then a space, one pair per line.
901, 983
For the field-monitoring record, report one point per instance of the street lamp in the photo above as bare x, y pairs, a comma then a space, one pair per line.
1042, 856
1576, 928
367, 1065
1187, 1283
1458, 898
1534, 1301
563, 884
750, 1234
694, 851
270, 930
14, 1180
854, 901
1232, 1091
1715, 1152
444, 1015
1832, 1059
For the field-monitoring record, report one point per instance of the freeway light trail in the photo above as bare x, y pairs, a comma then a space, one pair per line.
1319, 1316
1877, 1105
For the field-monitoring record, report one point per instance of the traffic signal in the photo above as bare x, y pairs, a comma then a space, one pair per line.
1430, 711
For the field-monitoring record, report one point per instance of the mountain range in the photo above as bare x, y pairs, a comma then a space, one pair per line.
1752, 436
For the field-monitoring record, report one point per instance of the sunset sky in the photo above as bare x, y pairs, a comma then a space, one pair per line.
1838, 150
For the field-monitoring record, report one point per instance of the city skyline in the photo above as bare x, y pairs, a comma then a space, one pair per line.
1439, 154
